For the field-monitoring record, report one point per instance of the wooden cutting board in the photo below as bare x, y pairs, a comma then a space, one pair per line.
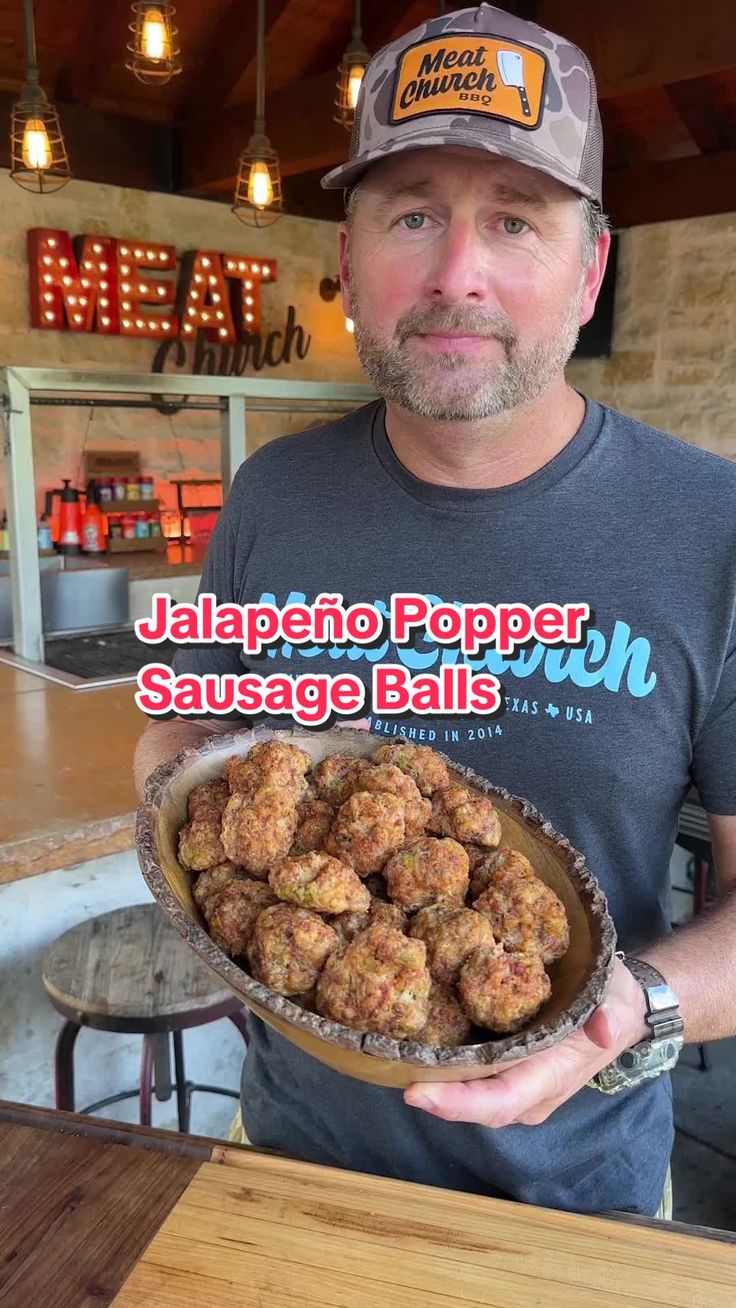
272, 1233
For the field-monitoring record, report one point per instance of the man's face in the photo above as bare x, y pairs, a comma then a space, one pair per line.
463, 273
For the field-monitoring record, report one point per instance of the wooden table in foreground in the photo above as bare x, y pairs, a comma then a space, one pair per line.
92, 1213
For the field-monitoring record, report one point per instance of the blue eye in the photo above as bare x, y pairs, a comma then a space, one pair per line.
514, 226
414, 221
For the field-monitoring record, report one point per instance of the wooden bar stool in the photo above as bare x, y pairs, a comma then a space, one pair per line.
129, 971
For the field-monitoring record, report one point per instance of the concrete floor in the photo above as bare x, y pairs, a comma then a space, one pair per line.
704, 1159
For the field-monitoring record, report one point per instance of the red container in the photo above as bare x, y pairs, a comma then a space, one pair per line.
128, 525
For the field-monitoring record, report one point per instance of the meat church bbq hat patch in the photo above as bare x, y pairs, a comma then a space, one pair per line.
482, 79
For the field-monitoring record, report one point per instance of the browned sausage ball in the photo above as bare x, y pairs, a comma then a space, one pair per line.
258, 830
272, 763
279, 760
428, 871
447, 1023
378, 983
233, 912
334, 778
525, 913
350, 925
451, 937
419, 762
315, 819
503, 991
211, 880
320, 882
386, 777
289, 947
499, 865
209, 795
366, 831
200, 845
466, 816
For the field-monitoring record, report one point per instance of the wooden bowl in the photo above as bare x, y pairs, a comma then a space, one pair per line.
579, 980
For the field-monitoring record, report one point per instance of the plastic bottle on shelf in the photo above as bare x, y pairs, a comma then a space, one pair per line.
45, 539
141, 526
93, 529
128, 526
4, 534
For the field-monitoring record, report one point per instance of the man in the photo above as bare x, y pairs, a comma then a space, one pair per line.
474, 248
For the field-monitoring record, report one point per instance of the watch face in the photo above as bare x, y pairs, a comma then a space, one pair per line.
643, 1062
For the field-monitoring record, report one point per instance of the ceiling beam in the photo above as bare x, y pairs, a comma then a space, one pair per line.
656, 46
223, 60
636, 44
679, 188
103, 35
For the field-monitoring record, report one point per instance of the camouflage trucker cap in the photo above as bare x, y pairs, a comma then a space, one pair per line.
483, 79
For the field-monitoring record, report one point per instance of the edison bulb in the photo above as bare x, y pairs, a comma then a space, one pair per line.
36, 145
354, 84
155, 37
260, 186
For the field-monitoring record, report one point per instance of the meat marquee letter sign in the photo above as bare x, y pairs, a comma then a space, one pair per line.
112, 287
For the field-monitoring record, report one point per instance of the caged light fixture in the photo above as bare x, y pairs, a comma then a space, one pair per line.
38, 157
258, 200
153, 48
350, 74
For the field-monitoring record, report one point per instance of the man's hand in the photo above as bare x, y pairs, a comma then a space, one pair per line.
530, 1091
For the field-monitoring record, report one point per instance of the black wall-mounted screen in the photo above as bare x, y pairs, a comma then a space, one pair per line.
596, 337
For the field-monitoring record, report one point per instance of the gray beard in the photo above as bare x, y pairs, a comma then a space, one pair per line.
518, 379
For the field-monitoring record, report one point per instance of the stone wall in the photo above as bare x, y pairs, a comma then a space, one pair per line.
674, 358
186, 444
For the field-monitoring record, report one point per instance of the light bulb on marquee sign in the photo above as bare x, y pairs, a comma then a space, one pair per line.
115, 287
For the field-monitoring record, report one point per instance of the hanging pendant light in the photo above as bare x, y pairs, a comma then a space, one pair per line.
350, 74
153, 45
38, 158
258, 200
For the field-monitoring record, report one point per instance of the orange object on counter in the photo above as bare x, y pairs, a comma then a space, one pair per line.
93, 526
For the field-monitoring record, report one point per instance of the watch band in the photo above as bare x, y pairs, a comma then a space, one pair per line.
650, 1058
663, 1010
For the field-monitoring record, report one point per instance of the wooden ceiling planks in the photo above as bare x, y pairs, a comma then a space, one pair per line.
666, 74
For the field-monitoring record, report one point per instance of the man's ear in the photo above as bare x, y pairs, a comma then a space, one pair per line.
344, 261
594, 278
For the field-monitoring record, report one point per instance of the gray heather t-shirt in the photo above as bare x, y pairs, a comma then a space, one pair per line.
605, 739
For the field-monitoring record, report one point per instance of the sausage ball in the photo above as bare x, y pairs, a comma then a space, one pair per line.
209, 882
288, 948
447, 1022
334, 778
451, 937
272, 763
257, 831
499, 866
350, 925
390, 779
209, 796
526, 914
234, 910
378, 983
503, 991
428, 871
315, 819
419, 762
320, 882
200, 845
466, 816
367, 830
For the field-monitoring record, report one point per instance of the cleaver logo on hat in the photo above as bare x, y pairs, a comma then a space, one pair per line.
465, 74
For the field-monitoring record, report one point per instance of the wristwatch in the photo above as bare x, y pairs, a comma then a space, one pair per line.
650, 1057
